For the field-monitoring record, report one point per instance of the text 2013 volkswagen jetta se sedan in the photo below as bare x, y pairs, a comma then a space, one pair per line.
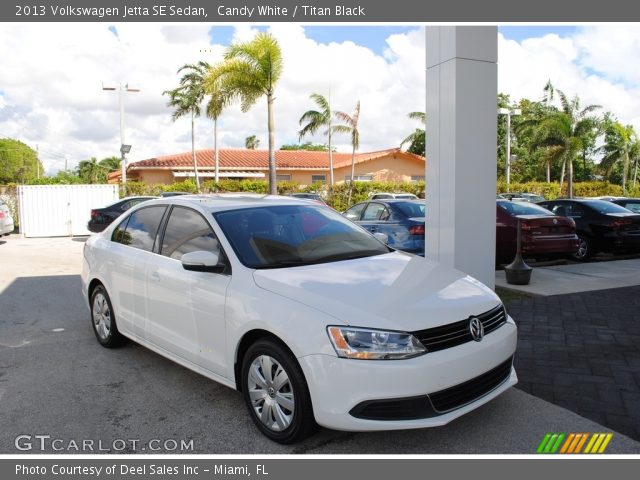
312, 318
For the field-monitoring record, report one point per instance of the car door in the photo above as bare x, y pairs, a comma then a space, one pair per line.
374, 217
133, 243
505, 234
185, 309
354, 213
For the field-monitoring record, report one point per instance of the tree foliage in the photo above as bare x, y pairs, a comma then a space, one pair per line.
19, 163
251, 70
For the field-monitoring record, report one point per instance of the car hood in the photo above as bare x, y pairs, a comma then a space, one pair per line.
395, 291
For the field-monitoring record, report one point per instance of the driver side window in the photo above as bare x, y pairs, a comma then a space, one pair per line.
187, 231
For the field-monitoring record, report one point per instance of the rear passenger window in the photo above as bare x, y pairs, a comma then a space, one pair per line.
375, 211
141, 229
187, 231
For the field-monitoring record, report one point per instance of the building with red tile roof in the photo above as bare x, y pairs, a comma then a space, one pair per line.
301, 166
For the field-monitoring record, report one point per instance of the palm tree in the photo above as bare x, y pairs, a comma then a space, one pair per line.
187, 98
111, 164
218, 101
249, 71
619, 140
90, 171
416, 140
566, 132
315, 119
252, 142
350, 126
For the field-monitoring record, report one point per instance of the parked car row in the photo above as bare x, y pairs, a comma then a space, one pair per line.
575, 228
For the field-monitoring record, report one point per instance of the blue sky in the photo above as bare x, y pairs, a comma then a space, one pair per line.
374, 37
519, 33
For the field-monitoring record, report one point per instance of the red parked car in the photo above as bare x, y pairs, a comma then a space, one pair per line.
543, 233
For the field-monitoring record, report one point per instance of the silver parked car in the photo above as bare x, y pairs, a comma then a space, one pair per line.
6, 220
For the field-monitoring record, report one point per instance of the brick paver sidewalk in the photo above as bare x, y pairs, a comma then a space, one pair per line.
582, 352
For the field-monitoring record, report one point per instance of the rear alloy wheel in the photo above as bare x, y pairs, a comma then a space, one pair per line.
276, 393
103, 320
585, 248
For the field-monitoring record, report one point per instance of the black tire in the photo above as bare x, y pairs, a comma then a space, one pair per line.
585, 248
103, 320
301, 422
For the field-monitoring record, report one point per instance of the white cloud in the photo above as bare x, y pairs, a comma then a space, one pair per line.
52, 77
50, 88
597, 63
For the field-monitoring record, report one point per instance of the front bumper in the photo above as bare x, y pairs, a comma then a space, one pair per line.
339, 385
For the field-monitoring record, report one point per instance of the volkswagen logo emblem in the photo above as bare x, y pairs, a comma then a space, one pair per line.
555, 221
476, 329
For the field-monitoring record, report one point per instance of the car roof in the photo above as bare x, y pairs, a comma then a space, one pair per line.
217, 202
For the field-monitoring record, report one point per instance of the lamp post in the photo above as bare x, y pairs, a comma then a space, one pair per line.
507, 167
124, 149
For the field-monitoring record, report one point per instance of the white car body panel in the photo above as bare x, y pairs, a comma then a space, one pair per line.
198, 319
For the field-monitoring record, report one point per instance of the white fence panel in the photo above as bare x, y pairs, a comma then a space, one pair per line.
60, 210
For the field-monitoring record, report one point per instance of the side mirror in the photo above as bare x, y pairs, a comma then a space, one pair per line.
383, 237
201, 261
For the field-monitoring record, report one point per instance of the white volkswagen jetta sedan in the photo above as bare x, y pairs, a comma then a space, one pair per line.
312, 318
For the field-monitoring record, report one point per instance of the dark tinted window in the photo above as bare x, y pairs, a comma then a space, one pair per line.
291, 235
354, 212
606, 207
411, 209
523, 208
119, 231
187, 231
142, 228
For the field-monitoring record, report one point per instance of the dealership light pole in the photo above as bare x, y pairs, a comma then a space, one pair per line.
124, 149
507, 166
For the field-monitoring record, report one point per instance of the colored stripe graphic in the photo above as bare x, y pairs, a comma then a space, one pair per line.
573, 443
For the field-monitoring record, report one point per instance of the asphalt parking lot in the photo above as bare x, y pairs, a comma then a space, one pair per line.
56, 380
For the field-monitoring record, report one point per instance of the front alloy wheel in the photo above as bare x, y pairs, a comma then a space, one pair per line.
276, 392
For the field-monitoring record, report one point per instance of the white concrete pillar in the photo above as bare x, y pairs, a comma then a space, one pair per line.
461, 148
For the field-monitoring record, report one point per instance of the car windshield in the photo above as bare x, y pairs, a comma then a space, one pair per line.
606, 207
523, 208
294, 235
411, 209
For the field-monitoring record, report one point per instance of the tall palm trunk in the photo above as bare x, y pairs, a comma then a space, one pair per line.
353, 168
625, 168
635, 176
564, 164
273, 186
215, 150
570, 178
330, 159
548, 171
193, 150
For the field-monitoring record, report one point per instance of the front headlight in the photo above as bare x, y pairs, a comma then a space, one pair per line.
365, 344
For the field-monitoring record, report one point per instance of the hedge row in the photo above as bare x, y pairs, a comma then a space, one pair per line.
551, 191
337, 196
